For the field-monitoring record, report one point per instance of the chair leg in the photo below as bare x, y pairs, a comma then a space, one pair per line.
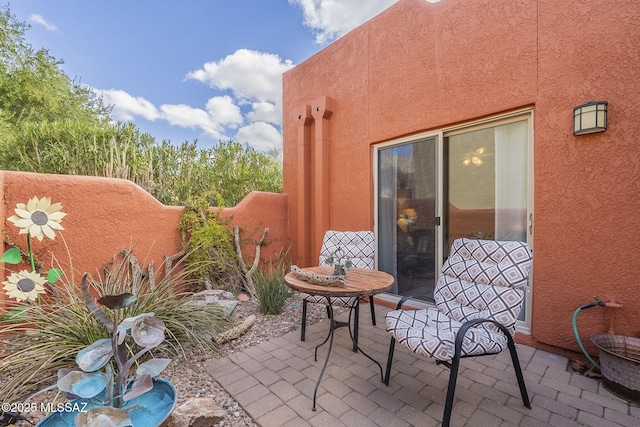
451, 389
453, 377
518, 369
373, 311
356, 324
304, 320
392, 346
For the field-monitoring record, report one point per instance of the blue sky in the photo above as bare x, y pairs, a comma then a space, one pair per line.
191, 69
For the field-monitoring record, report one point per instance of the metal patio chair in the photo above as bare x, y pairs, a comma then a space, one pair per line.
359, 247
478, 297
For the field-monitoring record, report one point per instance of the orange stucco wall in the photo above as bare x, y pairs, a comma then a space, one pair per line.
420, 66
105, 216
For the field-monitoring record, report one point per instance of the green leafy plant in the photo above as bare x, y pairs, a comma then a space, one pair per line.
34, 85
211, 256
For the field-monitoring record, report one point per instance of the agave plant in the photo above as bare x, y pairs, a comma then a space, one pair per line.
115, 385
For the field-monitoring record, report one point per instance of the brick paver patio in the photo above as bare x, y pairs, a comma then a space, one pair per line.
274, 383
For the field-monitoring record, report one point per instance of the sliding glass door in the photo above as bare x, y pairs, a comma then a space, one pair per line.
473, 181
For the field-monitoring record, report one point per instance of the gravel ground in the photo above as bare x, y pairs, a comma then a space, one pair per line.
190, 378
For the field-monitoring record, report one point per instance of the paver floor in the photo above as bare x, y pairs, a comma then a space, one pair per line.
274, 383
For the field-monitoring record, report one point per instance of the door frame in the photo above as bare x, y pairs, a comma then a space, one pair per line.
523, 326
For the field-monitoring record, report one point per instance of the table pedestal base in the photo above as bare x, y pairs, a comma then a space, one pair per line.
335, 325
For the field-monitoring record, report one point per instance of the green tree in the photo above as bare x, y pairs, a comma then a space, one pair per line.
238, 169
33, 87
229, 170
51, 124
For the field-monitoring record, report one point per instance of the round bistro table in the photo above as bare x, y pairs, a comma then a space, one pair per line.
359, 282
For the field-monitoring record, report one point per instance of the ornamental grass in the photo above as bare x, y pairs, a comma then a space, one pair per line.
48, 336
271, 288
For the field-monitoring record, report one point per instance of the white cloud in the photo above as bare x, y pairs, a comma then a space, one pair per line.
265, 111
260, 135
330, 19
224, 111
126, 107
250, 75
39, 19
193, 118
252, 78
220, 113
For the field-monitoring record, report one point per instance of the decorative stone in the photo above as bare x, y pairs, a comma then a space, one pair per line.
197, 412
242, 297
222, 298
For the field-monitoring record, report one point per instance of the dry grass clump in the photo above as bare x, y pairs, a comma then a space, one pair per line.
52, 333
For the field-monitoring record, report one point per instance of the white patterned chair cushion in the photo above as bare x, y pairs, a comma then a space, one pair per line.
358, 246
481, 279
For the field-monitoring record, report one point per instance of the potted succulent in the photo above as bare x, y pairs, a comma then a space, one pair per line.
105, 388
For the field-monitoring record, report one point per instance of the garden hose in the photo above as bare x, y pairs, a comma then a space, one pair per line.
575, 327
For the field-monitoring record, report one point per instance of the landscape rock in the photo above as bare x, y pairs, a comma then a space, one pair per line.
197, 412
219, 297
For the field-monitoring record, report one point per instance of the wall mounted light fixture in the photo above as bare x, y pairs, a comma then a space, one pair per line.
590, 117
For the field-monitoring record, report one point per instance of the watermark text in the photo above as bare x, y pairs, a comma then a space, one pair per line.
25, 408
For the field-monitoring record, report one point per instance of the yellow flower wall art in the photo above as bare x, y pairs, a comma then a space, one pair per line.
38, 218
25, 285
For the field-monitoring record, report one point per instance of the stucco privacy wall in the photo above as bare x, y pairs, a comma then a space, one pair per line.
420, 66
105, 216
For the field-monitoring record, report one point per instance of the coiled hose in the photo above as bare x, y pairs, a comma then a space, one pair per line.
575, 327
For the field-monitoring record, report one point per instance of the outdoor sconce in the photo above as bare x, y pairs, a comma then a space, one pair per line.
590, 118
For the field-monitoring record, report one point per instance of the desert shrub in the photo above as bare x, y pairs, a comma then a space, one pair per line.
211, 257
63, 324
185, 322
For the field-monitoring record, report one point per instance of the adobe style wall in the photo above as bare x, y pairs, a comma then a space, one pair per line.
419, 66
106, 215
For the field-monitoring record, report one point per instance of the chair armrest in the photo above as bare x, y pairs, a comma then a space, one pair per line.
408, 297
466, 325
